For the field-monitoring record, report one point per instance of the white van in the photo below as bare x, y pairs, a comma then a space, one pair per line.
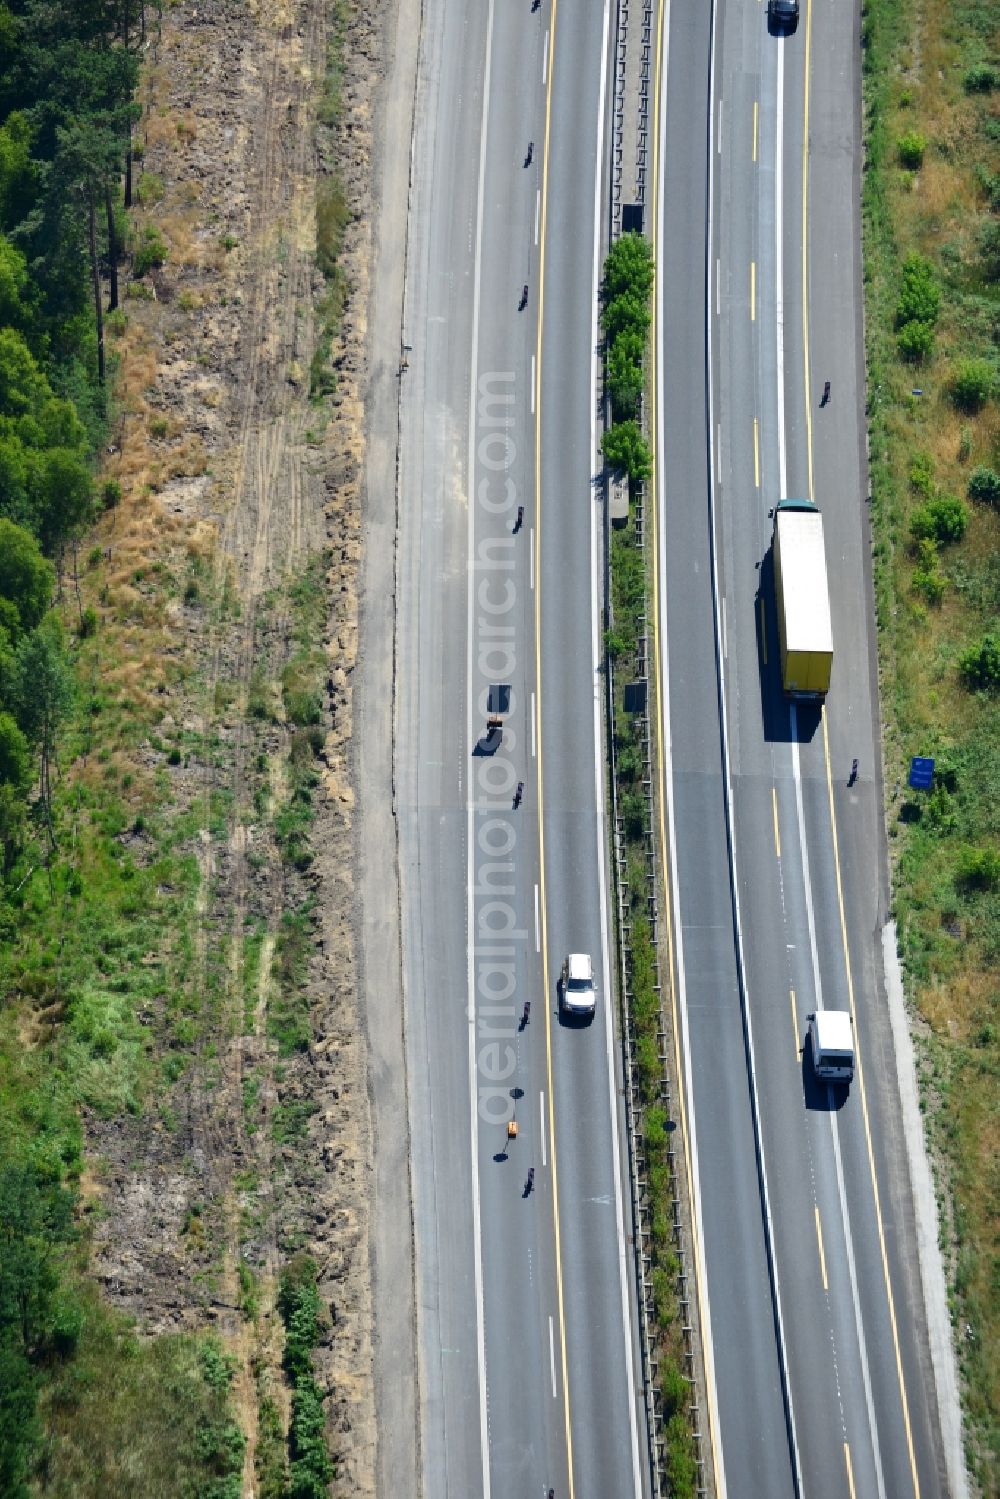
831, 1038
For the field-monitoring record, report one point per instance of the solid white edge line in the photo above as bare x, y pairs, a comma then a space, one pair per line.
596, 552
477, 1229
541, 1110
545, 57
718, 286
552, 1359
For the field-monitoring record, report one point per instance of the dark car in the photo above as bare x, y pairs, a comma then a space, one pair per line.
783, 14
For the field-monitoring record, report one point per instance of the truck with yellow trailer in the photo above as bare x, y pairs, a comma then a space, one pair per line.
802, 596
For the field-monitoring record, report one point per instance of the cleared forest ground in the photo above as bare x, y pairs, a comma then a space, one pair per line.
200, 908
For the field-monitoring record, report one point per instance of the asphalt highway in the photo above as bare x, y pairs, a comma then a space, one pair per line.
809, 1276
527, 1367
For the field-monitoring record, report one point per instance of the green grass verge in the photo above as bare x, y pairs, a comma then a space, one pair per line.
930, 79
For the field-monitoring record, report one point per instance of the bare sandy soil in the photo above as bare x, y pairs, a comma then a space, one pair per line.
250, 475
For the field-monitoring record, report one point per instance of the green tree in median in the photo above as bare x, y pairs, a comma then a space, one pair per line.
628, 270
624, 447
625, 373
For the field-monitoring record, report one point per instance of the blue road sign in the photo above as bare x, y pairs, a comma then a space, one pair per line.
921, 773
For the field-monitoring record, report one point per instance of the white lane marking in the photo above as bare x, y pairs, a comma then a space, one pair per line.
596, 550
531, 565
718, 452
845, 1216
725, 649
532, 384
541, 1110
718, 286
545, 57
552, 1358
477, 1227
718, 143
538, 930
779, 269
533, 746
538, 210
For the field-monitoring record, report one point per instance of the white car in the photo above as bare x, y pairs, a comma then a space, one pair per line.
576, 985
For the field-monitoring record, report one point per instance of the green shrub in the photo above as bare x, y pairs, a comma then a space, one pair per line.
972, 385
978, 869
655, 1130
151, 250
629, 763
922, 474
928, 579
979, 666
310, 1469
270, 1468
943, 520
299, 1305
322, 375
664, 1298
303, 706
674, 1390
149, 188
647, 1058
919, 292
332, 217
682, 1468
615, 644
981, 78
915, 341
88, 622
984, 486
911, 148
111, 493
633, 810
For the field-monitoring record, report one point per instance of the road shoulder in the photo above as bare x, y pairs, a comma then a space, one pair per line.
376, 852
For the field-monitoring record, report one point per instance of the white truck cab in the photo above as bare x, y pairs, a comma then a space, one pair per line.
831, 1038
